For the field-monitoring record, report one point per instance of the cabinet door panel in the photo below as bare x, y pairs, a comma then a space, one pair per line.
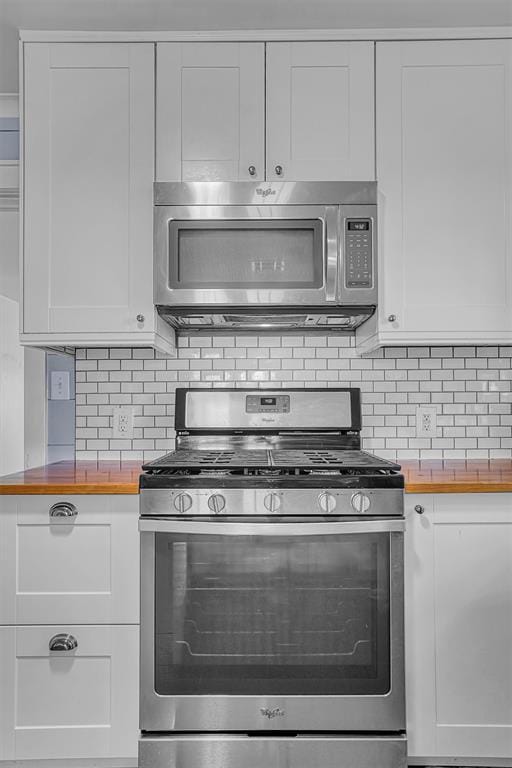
210, 111
77, 569
444, 172
320, 113
76, 704
88, 173
459, 627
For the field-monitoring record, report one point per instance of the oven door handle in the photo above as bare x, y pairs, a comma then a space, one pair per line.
331, 253
222, 528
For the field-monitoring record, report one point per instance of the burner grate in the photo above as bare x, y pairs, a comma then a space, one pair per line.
270, 460
211, 459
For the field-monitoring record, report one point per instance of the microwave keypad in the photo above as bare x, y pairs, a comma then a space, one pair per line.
358, 253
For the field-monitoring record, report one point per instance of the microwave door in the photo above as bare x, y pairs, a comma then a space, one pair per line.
246, 255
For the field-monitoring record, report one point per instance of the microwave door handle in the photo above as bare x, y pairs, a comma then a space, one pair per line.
220, 527
331, 252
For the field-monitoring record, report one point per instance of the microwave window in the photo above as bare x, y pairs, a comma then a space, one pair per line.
240, 254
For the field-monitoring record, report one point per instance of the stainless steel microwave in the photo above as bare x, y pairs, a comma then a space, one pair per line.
278, 255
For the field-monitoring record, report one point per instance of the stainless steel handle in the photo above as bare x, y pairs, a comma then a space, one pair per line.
252, 170
419, 509
140, 318
331, 252
221, 528
279, 170
391, 318
63, 642
63, 509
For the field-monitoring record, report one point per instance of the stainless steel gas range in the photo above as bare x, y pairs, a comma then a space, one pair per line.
271, 587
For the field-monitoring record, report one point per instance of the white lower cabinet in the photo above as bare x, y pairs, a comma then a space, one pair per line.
69, 704
80, 569
459, 627
74, 576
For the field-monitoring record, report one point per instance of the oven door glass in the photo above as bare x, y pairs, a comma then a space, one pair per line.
253, 253
263, 615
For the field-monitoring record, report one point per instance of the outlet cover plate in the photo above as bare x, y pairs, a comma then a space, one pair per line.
426, 421
122, 422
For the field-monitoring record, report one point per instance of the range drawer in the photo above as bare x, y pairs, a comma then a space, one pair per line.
78, 703
71, 559
223, 750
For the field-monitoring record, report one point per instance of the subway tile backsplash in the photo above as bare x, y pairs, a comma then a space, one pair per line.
470, 387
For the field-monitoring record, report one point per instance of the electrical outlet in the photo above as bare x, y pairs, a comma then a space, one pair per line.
426, 421
122, 423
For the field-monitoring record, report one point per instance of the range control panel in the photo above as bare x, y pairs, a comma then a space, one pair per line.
267, 404
358, 253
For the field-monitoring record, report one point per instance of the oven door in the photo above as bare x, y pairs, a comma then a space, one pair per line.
272, 626
246, 255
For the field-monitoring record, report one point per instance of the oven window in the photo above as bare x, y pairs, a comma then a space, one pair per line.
246, 254
272, 615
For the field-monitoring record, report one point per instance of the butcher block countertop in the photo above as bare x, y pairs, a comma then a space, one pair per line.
104, 477
458, 476
67, 477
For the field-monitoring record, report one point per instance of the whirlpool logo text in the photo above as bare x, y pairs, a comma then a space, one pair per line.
271, 713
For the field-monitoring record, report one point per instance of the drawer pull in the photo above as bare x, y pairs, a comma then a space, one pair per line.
419, 509
63, 642
63, 509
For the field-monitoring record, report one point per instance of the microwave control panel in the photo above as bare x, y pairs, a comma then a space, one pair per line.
358, 253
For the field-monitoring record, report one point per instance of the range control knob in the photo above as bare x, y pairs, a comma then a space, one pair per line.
216, 502
360, 502
272, 502
327, 502
182, 502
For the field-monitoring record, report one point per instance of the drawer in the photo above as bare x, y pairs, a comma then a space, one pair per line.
82, 568
81, 703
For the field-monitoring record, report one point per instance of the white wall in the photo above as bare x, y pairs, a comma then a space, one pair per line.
11, 389
233, 14
22, 372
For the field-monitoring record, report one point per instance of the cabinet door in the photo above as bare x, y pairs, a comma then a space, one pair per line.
69, 569
210, 112
69, 704
444, 152
320, 111
88, 188
459, 627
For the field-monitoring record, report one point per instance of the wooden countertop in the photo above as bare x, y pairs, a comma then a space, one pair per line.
432, 476
79, 477
458, 476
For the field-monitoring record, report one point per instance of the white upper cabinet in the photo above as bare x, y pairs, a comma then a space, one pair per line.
320, 111
444, 143
210, 111
88, 195
213, 120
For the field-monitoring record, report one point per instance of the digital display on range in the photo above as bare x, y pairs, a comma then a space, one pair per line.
267, 404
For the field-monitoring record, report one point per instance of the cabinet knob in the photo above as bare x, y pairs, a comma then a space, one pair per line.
279, 170
419, 509
63, 642
140, 318
252, 170
63, 509
391, 318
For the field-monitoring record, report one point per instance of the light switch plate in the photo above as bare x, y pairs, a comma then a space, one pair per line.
59, 385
